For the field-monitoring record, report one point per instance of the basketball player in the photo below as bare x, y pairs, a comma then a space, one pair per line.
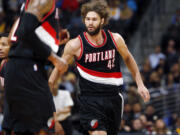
98, 53
4, 49
4, 46
34, 40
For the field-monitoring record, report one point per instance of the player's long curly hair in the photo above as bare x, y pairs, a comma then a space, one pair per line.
98, 6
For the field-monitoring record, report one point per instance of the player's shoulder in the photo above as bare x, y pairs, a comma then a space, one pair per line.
117, 37
74, 43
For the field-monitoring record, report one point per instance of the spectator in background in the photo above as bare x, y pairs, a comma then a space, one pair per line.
124, 128
160, 128
127, 12
154, 80
115, 16
128, 114
63, 103
132, 5
150, 113
132, 94
70, 5
176, 17
115, 11
146, 71
160, 72
66, 84
175, 70
155, 57
161, 65
170, 80
172, 56
137, 127
147, 125
137, 110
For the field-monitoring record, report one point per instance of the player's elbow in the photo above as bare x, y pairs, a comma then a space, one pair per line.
127, 59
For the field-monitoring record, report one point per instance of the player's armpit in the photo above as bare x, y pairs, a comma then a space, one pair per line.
121, 46
72, 49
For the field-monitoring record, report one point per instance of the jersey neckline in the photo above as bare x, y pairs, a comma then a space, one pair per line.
93, 45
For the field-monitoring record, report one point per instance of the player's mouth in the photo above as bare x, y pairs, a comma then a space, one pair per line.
91, 28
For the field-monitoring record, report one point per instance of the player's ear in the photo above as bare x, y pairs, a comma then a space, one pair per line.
102, 21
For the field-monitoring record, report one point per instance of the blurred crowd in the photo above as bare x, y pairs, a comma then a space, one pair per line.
124, 12
160, 71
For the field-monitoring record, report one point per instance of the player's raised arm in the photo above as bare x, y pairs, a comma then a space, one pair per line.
39, 7
132, 66
72, 49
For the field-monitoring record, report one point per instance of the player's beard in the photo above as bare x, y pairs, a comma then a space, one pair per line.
95, 32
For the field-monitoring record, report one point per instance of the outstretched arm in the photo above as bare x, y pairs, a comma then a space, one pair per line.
132, 66
72, 49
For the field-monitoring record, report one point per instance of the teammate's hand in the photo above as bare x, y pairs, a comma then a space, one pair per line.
61, 65
64, 36
58, 129
53, 78
144, 93
58, 62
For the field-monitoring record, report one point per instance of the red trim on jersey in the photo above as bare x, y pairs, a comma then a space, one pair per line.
3, 63
51, 31
100, 74
50, 12
97, 46
26, 5
81, 48
113, 39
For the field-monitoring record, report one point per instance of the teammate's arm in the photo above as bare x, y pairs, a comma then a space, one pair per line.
39, 7
132, 66
29, 22
72, 49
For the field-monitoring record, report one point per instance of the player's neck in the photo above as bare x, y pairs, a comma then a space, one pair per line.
97, 39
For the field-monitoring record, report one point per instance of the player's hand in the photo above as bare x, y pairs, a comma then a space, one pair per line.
61, 65
58, 129
52, 79
144, 93
58, 62
64, 36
